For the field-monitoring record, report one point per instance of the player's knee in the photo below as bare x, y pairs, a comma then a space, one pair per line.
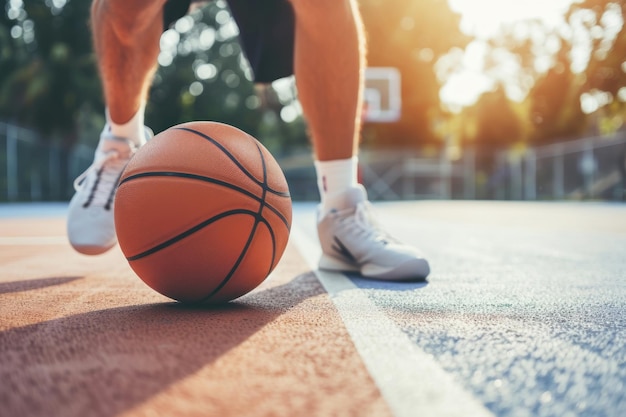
127, 17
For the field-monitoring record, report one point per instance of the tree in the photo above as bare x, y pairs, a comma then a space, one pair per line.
554, 102
410, 36
204, 76
498, 125
603, 89
49, 73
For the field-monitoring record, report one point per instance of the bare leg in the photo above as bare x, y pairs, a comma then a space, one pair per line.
126, 37
329, 67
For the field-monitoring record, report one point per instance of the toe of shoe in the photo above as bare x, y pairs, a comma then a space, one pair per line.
91, 235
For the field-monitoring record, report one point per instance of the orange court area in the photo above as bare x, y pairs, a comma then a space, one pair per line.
83, 336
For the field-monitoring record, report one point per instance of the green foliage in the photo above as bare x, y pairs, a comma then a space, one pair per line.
208, 79
551, 109
49, 73
181, 93
606, 72
503, 129
411, 36
49, 80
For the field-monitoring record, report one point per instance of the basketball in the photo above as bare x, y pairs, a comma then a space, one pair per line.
203, 213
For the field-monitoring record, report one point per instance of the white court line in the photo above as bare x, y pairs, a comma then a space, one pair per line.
410, 380
32, 240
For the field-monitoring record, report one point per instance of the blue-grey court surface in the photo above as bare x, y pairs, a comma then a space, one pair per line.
524, 311
522, 315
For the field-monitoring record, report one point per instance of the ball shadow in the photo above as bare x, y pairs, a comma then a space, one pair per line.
102, 363
34, 284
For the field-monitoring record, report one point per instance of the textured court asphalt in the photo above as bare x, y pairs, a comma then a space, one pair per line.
522, 315
524, 309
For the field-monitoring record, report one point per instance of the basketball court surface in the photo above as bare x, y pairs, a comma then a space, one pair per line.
522, 315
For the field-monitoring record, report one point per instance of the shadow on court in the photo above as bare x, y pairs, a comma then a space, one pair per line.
106, 362
34, 284
387, 285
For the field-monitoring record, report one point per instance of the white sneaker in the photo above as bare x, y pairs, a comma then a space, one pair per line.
90, 224
351, 240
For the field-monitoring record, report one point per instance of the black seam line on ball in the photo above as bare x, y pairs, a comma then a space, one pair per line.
263, 204
189, 232
257, 219
232, 158
205, 179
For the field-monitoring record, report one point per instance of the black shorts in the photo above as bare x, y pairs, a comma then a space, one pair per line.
266, 31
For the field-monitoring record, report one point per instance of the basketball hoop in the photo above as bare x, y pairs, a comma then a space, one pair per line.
382, 101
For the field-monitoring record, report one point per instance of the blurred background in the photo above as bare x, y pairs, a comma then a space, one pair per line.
465, 99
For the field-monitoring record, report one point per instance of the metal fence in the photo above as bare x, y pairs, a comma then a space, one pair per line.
32, 169
592, 168
409, 175
583, 169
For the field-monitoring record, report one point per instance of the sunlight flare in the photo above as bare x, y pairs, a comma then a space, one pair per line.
464, 74
483, 18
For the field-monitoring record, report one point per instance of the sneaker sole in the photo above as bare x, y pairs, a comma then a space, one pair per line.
91, 249
411, 270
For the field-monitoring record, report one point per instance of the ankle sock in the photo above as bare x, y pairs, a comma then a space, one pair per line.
335, 177
133, 129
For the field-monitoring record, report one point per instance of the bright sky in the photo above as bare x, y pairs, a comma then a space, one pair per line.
463, 71
483, 17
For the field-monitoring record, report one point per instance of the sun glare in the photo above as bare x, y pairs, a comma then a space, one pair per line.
483, 18
463, 72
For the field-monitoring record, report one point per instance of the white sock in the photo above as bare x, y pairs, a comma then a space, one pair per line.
132, 129
336, 176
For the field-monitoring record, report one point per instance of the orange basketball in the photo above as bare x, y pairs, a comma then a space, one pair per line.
203, 213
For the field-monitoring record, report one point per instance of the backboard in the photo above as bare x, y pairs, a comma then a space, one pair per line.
382, 95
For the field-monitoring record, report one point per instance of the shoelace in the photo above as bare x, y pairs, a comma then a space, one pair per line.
368, 225
107, 169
